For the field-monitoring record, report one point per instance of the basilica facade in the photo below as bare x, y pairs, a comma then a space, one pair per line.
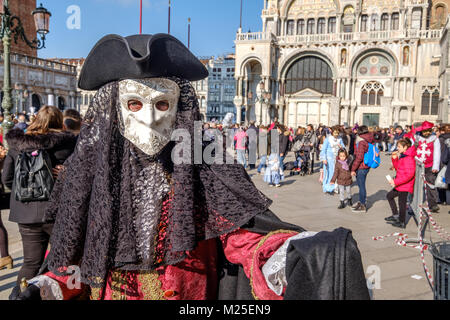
372, 62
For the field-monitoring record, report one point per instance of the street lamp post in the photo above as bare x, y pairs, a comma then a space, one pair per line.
12, 27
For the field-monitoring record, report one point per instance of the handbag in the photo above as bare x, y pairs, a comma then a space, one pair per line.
440, 179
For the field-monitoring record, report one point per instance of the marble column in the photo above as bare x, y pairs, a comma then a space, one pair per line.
410, 114
411, 90
352, 115
347, 89
281, 114
386, 111
335, 105
238, 114
396, 114
345, 116
404, 88
338, 88
50, 97
423, 25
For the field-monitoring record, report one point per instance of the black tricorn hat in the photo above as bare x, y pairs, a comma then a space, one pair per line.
116, 58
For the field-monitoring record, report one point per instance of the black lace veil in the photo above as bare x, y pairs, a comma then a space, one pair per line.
91, 202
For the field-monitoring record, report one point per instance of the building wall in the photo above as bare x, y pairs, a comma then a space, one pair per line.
23, 9
37, 82
444, 74
388, 46
216, 93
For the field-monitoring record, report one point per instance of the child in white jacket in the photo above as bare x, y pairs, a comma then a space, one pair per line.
273, 174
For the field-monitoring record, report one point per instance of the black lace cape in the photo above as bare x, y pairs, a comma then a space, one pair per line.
91, 201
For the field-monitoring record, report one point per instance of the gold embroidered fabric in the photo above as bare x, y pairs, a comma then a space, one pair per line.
260, 244
151, 287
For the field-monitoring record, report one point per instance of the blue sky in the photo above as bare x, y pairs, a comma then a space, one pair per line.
213, 27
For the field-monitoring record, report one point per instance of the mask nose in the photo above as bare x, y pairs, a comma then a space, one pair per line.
150, 114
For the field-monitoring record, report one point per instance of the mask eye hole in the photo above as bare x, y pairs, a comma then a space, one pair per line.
162, 105
134, 105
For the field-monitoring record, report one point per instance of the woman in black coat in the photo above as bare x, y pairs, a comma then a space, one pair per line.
45, 133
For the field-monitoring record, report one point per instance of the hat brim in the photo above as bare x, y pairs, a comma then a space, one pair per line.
116, 58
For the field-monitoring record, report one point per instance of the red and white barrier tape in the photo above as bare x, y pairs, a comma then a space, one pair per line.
402, 237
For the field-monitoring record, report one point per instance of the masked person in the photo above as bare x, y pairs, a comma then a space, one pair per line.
429, 152
139, 216
328, 156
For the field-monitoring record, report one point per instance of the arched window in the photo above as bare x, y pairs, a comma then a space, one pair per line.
309, 72
301, 26
371, 94
311, 24
343, 57
435, 102
425, 103
380, 93
384, 21
394, 21
430, 101
290, 27
364, 19
406, 56
321, 25
441, 13
332, 25
364, 97
374, 22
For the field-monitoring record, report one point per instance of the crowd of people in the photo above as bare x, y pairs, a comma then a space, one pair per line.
50, 130
342, 152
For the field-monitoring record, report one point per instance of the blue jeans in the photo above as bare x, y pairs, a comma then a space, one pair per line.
241, 157
262, 163
281, 158
361, 176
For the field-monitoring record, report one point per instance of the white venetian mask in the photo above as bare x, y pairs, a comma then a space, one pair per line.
148, 111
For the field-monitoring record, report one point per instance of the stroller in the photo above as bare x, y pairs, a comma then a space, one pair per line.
300, 166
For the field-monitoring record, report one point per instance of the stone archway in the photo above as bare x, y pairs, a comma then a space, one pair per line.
252, 79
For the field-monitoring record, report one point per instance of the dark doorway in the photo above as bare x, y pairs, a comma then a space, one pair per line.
36, 102
61, 103
371, 119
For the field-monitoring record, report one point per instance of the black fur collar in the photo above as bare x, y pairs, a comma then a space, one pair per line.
20, 141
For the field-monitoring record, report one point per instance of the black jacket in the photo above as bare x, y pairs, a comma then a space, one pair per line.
327, 266
284, 143
445, 158
59, 146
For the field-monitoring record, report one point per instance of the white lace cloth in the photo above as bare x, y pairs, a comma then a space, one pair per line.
50, 289
274, 269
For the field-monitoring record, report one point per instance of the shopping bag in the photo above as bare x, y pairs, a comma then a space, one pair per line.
440, 180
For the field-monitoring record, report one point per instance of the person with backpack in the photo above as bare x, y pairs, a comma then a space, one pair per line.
29, 171
359, 168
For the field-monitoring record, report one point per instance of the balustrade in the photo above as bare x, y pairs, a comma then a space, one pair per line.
344, 36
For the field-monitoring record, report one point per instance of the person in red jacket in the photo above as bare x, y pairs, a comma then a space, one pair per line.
359, 168
405, 165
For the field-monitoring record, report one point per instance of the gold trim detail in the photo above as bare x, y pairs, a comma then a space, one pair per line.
95, 293
260, 244
151, 287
